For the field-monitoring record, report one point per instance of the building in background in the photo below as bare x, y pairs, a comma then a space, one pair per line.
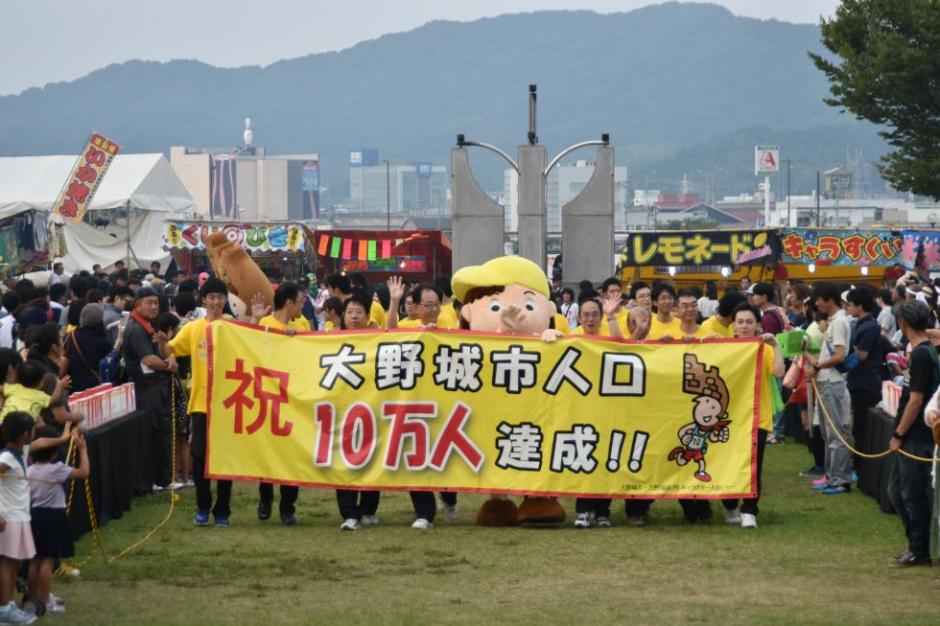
563, 184
247, 184
376, 186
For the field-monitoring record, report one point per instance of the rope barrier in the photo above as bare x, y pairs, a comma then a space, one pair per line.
97, 543
865, 455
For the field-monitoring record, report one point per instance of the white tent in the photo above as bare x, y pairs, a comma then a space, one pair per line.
145, 183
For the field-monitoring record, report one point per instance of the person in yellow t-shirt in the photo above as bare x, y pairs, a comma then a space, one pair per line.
664, 323
611, 289
332, 313
427, 299
191, 341
287, 316
411, 319
719, 324
687, 304
746, 324
447, 318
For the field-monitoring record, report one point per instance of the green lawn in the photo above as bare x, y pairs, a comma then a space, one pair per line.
814, 560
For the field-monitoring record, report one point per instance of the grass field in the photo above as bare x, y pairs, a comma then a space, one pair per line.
814, 560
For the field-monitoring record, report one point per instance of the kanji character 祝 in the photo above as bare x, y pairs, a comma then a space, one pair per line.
458, 369
520, 446
398, 365
514, 369
574, 450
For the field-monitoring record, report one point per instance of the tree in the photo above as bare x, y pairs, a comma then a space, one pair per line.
888, 72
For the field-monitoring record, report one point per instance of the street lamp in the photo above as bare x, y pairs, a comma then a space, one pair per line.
388, 196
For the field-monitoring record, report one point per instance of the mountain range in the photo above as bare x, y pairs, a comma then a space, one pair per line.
681, 88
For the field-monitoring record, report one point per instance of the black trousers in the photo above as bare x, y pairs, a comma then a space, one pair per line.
749, 505
356, 504
696, 510
424, 503
637, 507
154, 397
600, 507
223, 503
862, 401
288, 497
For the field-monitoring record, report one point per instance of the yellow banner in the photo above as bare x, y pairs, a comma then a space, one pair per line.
493, 413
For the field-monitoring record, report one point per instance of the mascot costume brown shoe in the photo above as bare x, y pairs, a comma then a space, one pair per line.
244, 279
509, 295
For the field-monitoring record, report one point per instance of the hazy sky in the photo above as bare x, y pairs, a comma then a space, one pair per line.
54, 40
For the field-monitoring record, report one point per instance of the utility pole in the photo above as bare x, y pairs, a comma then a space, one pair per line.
817, 198
388, 196
787, 160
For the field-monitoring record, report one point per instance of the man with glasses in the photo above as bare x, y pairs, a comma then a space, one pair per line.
612, 290
427, 301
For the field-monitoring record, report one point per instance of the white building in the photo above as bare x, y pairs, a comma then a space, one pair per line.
399, 188
854, 212
563, 184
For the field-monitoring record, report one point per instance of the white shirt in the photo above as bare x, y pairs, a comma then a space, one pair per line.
570, 311
707, 307
6, 331
886, 321
14, 490
839, 333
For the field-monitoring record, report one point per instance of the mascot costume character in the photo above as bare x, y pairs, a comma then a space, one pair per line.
235, 267
509, 295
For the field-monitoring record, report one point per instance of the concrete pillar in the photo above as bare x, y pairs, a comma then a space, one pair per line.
478, 220
533, 215
587, 225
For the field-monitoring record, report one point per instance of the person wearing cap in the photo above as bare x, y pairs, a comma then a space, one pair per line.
85, 347
149, 371
833, 398
762, 296
191, 341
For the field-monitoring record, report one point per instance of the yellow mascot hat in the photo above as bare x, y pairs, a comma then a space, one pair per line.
498, 272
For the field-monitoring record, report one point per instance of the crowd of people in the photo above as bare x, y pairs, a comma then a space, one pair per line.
75, 333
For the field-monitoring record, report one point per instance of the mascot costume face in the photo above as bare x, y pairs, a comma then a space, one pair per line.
509, 295
244, 279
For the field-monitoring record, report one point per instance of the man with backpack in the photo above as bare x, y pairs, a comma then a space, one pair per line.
833, 398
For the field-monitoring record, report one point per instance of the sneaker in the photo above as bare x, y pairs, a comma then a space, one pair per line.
10, 614
157, 487
289, 519
176, 485
583, 520
748, 520
602, 522
370, 520
822, 483
55, 607
907, 559
351, 524
201, 519
450, 512
813, 472
190, 483
772, 440
732, 516
421, 524
264, 511
56, 599
854, 478
222, 522
835, 490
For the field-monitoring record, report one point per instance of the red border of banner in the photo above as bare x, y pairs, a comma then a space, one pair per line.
516, 492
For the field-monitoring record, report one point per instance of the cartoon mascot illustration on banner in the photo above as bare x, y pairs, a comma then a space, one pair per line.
709, 415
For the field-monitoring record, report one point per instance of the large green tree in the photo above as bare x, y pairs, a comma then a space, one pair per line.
887, 70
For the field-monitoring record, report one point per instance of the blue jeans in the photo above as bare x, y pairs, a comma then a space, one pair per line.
909, 489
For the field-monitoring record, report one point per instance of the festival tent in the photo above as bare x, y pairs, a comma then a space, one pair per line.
143, 185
